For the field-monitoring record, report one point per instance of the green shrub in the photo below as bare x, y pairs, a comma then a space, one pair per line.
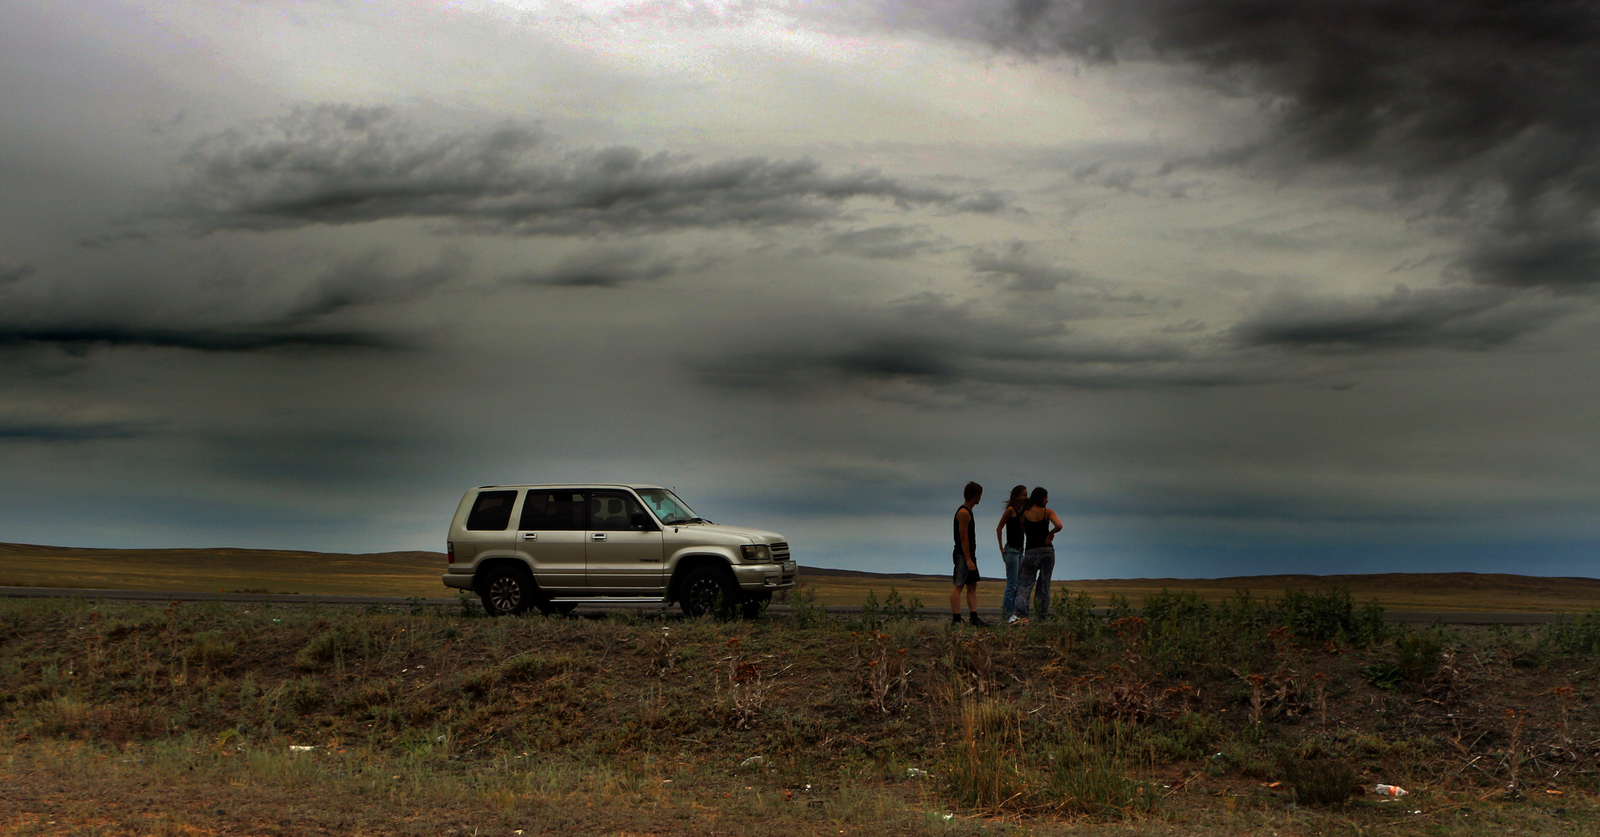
1418, 654
1183, 607
1075, 614
1331, 614
1574, 636
874, 614
1191, 735
1384, 675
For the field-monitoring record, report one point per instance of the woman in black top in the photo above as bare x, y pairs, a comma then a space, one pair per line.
1011, 547
1038, 556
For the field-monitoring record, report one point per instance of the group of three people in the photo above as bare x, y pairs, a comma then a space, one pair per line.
1028, 526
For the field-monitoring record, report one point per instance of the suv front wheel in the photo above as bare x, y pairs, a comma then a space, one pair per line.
706, 589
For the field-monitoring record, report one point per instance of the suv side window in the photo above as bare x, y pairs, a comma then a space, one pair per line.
551, 511
491, 511
618, 511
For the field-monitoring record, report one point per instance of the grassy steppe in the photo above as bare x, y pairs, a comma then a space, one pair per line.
417, 574
1248, 717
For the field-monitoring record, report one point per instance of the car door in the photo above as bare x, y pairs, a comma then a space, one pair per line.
551, 536
624, 545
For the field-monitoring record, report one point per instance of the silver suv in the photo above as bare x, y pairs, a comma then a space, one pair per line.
557, 546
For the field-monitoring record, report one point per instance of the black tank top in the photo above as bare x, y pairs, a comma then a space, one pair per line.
972, 535
1036, 532
1014, 529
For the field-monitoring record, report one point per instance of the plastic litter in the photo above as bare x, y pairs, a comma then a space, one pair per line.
301, 748
915, 772
1389, 790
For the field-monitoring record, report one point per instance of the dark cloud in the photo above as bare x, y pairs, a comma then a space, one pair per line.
1020, 269
926, 342
1491, 102
894, 241
1450, 318
48, 431
1559, 258
13, 272
345, 165
82, 337
371, 279
611, 267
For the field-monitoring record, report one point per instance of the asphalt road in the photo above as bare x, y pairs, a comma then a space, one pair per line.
1447, 617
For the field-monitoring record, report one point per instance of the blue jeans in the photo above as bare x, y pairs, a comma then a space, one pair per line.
1033, 581
1012, 558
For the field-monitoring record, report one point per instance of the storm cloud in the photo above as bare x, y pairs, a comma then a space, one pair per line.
1450, 318
1296, 286
81, 337
13, 272
334, 165
603, 267
1486, 107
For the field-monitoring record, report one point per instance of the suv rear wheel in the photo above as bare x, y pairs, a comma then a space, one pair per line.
507, 590
706, 589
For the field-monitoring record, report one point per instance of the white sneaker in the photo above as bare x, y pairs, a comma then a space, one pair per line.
1013, 620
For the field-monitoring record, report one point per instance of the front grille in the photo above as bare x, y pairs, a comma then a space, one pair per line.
780, 551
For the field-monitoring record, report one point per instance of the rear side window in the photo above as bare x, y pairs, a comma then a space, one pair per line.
617, 511
491, 511
553, 511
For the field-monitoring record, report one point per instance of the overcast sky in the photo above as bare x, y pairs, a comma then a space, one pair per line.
1251, 286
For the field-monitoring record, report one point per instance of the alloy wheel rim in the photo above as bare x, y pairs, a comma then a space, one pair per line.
506, 594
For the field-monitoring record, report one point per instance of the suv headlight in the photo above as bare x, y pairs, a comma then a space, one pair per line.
758, 553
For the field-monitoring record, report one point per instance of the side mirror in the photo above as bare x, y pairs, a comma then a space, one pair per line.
640, 520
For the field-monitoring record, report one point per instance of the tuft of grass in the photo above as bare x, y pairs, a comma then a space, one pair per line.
211, 648
324, 648
301, 695
1088, 771
527, 667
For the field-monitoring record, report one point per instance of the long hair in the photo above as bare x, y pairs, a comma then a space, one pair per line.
1019, 498
1038, 497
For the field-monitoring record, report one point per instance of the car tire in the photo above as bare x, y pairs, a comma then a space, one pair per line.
753, 607
705, 589
508, 590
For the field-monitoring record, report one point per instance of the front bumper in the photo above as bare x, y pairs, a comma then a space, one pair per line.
758, 578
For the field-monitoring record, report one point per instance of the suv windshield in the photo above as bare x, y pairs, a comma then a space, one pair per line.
668, 508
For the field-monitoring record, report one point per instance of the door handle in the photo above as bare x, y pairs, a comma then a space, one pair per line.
530, 536
597, 536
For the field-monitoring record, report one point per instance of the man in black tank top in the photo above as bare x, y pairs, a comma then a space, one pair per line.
965, 558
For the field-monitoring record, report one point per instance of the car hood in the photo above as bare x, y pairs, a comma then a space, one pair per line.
733, 534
